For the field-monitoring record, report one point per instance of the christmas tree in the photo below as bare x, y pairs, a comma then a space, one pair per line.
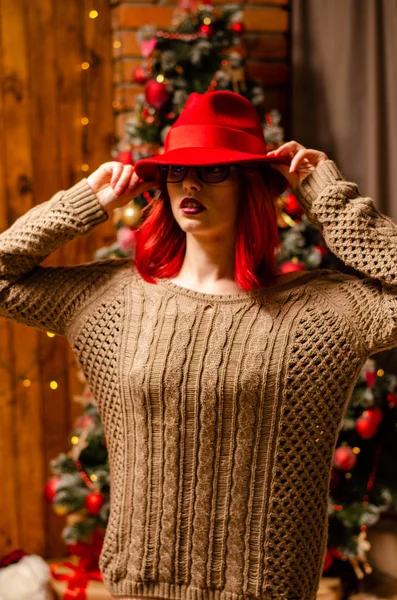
363, 482
80, 484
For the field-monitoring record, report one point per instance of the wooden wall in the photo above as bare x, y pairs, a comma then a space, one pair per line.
43, 145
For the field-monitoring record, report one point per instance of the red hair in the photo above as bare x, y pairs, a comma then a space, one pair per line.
161, 243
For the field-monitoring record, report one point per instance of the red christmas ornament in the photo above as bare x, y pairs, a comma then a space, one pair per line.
156, 94
366, 428
238, 27
12, 558
392, 399
328, 560
206, 30
370, 378
125, 157
50, 488
139, 75
374, 414
289, 267
292, 206
344, 458
321, 249
94, 502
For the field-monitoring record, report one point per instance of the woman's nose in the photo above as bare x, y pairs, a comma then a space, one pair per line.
192, 180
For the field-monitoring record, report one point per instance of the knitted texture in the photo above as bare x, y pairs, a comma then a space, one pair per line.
221, 412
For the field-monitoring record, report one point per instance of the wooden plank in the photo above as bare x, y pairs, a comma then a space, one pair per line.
129, 44
47, 179
269, 74
9, 513
126, 94
18, 174
98, 41
269, 20
132, 16
265, 47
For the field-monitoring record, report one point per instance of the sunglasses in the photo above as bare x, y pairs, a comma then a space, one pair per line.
208, 174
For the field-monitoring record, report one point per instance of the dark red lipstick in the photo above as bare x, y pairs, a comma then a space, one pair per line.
191, 206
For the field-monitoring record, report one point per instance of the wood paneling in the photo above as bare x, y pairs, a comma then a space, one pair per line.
44, 95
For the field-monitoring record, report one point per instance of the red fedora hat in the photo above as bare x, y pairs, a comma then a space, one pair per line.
214, 128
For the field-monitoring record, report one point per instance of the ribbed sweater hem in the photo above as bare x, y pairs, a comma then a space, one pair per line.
86, 205
183, 592
312, 186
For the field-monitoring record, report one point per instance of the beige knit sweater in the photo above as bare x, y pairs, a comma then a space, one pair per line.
221, 413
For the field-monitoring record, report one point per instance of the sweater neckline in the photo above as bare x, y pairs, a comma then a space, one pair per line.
227, 298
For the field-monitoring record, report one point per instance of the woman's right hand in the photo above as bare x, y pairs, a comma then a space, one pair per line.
115, 184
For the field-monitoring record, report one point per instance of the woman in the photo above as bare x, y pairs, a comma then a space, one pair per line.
221, 385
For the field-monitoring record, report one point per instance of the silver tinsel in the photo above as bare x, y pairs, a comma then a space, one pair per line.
168, 60
200, 51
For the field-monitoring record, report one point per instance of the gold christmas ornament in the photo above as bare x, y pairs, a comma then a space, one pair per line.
61, 509
131, 215
76, 517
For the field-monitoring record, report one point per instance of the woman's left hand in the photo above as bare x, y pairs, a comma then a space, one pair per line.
302, 161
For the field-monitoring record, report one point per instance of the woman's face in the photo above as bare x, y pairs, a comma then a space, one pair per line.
205, 209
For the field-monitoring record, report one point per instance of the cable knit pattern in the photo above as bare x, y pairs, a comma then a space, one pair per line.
221, 413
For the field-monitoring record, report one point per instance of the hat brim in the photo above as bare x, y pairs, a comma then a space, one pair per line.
147, 168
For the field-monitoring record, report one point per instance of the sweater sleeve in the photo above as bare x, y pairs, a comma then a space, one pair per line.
364, 239
48, 297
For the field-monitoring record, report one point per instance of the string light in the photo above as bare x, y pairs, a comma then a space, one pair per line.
160, 78
207, 21
348, 475
85, 65
93, 14
93, 477
74, 440
53, 385
85, 167
116, 44
85, 121
356, 450
50, 335
380, 373
26, 383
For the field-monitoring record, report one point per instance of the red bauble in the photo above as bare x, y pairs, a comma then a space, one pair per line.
125, 157
322, 250
370, 378
374, 414
328, 560
289, 267
50, 488
366, 428
238, 27
392, 399
206, 30
344, 458
292, 206
94, 502
156, 93
139, 75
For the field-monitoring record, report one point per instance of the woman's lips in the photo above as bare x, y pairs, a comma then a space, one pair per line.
191, 206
